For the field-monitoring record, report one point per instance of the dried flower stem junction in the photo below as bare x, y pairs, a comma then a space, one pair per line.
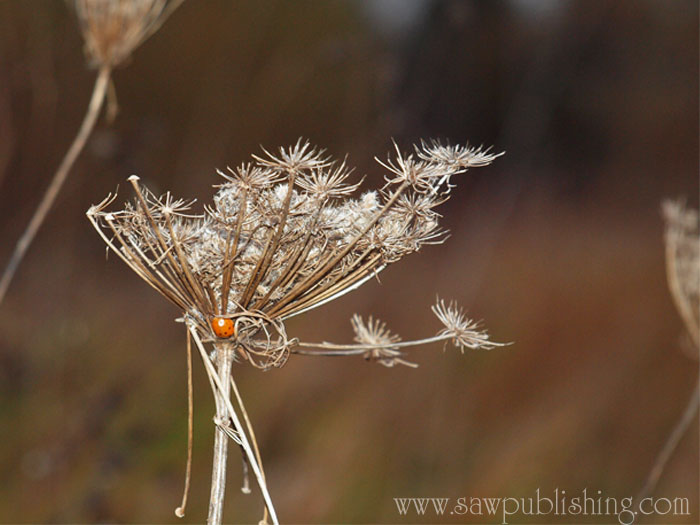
284, 235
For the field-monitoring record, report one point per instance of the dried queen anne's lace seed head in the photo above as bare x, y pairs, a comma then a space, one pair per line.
113, 29
683, 262
284, 235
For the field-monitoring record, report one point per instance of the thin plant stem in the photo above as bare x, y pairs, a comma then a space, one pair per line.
240, 432
88, 124
357, 349
671, 444
224, 361
180, 511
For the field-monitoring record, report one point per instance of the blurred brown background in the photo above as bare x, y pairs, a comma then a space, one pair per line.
557, 246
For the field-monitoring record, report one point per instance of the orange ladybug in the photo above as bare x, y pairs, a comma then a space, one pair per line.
223, 328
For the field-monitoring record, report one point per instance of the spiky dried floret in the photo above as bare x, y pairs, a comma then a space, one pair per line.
455, 156
374, 333
295, 159
282, 236
248, 176
463, 332
421, 175
325, 183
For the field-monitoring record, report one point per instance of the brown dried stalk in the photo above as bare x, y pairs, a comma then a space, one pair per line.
112, 30
98, 95
284, 235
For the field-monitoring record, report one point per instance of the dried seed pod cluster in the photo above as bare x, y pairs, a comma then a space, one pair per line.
285, 234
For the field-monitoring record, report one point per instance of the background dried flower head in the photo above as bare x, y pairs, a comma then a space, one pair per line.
113, 29
683, 263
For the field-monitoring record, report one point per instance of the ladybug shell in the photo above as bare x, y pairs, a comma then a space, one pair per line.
223, 328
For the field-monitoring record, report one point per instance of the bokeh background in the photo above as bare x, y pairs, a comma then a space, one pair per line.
557, 247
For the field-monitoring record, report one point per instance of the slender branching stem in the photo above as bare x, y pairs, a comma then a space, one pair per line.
231, 252
93, 112
184, 265
296, 260
180, 269
180, 511
273, 243
358, 349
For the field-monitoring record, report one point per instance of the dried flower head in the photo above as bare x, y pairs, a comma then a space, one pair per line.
283, 236
381, 342
113, 29
462, 331
683, 263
